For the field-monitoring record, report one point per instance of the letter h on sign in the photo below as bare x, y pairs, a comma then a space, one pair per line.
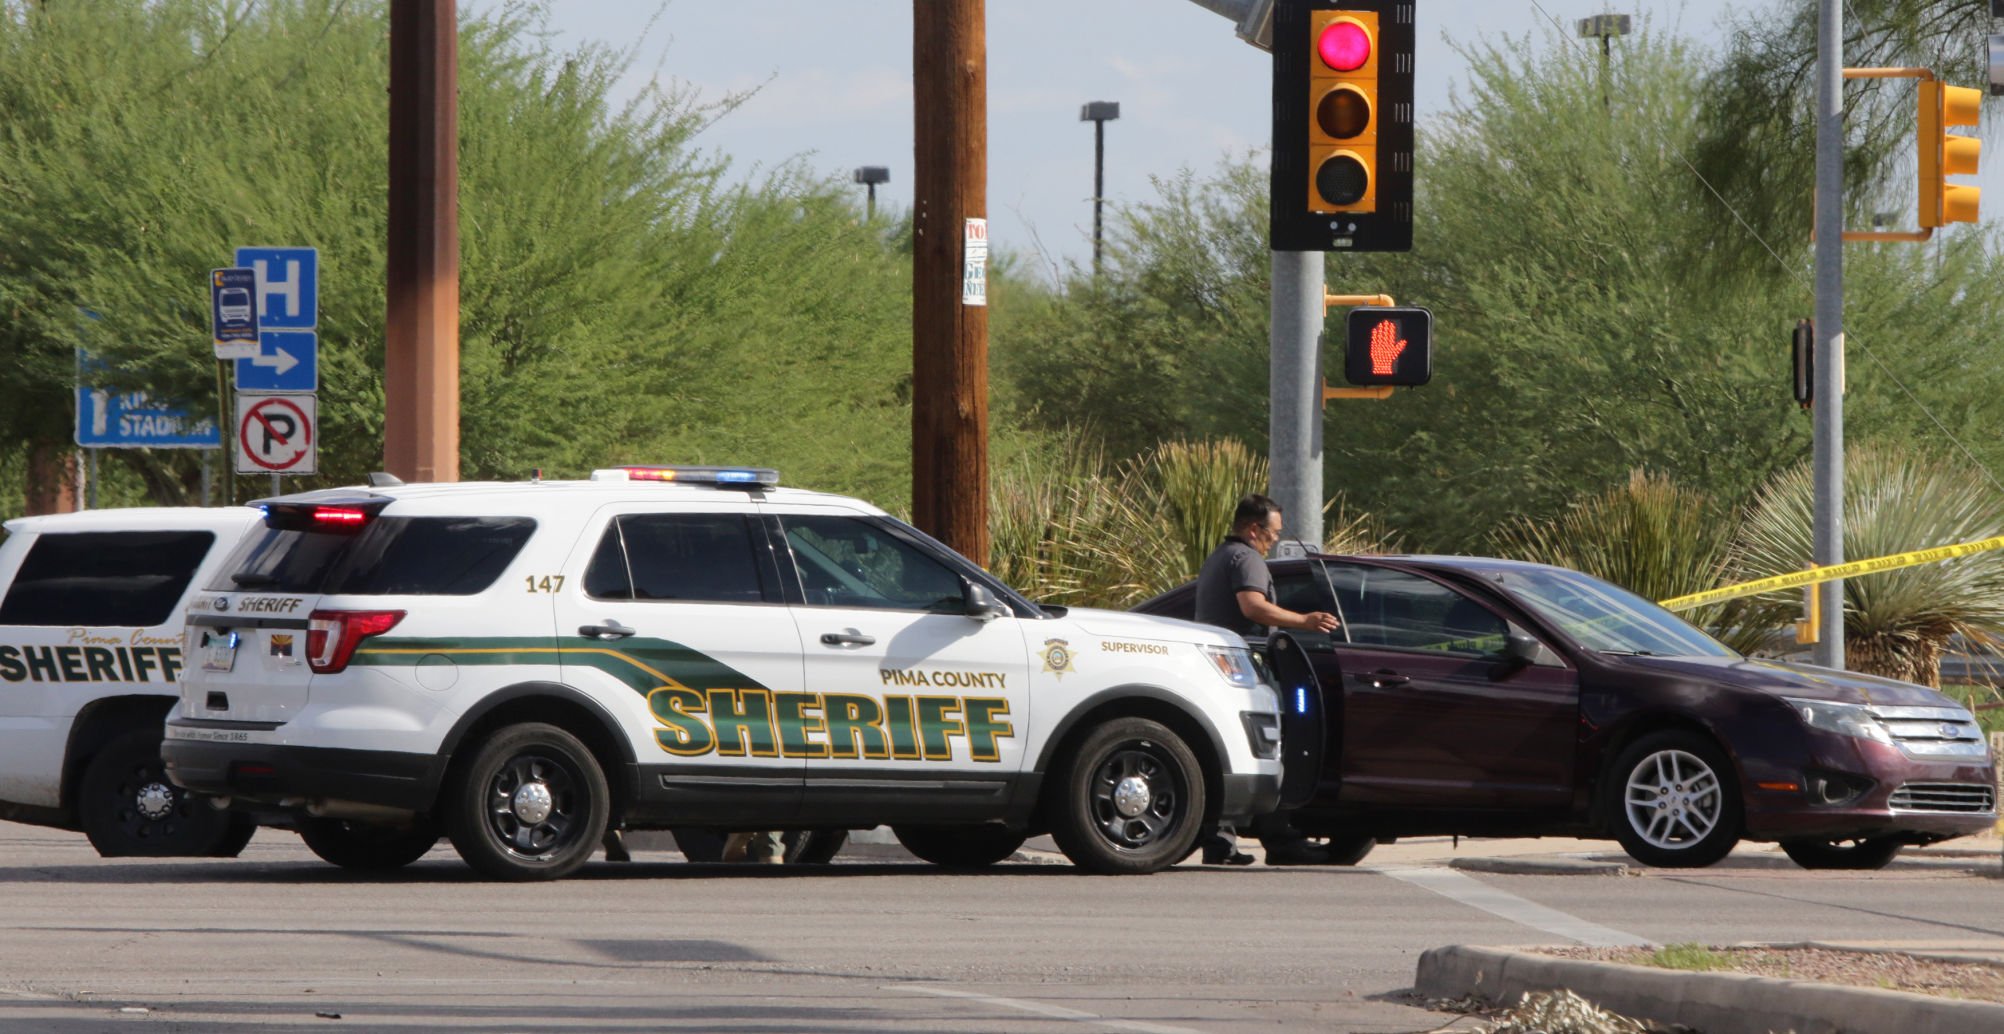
288, 281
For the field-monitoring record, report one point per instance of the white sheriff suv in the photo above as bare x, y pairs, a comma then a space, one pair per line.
90, 652
520, 667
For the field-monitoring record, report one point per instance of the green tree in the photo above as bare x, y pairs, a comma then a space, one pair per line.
620, 299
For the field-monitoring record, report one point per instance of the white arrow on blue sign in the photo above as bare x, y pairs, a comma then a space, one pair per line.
288, 286
287, 360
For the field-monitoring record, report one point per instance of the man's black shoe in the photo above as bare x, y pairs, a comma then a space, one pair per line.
1227, 858
1297, 854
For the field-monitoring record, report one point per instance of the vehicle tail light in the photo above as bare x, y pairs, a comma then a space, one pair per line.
332, 635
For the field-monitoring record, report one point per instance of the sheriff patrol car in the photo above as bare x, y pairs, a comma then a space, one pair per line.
518, 666
90, 650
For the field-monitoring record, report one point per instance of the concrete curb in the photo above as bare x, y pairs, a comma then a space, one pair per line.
1716, 1003
1541, 865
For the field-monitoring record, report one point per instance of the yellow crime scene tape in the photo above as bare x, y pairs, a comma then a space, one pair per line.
1824, 574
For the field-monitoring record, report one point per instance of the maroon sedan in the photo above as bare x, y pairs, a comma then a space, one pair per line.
1485, 697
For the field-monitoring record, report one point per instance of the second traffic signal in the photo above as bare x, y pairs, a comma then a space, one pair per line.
1944, 154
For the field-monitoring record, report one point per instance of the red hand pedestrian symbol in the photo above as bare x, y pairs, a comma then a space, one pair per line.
1385, 347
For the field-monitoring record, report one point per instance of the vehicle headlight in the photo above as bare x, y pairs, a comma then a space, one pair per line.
1847, 719
1234, 664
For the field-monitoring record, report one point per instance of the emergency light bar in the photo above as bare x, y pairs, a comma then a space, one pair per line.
723, 477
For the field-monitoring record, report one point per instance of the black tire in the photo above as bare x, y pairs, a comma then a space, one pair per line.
803, 846
531, 804
1849, 853
368, 848
960, 847
129, 808
1131, 799
814, 846
1349, 848
1674, 802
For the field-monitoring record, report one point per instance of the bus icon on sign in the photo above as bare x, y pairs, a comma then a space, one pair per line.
235, 303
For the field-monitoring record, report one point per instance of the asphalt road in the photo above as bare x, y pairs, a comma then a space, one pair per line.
277, 940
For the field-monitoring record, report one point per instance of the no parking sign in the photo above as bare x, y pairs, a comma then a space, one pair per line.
276, 434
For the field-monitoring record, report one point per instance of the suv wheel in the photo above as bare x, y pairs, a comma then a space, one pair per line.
1855, 853
128, 807
532, 804
356, 845
1131, 799
1674, 801
960, 847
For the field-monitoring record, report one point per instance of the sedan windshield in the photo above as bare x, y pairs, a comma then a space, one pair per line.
1606, 617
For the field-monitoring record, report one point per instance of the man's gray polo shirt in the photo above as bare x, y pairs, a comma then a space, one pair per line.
1230, 569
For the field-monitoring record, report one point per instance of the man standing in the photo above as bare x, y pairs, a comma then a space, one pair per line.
1235, 591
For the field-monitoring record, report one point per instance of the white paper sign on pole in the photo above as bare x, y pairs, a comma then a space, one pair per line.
974, 276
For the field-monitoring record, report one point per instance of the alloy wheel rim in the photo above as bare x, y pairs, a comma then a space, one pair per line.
1673, 799
532, 805
1134, 797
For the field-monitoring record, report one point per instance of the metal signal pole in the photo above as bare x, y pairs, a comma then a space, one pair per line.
421, 330
1827, 460
949, 284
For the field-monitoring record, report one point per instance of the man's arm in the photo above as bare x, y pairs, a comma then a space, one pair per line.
1255, 606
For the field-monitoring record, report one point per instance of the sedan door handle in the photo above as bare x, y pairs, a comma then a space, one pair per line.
1381, 679
847, 639
612, 629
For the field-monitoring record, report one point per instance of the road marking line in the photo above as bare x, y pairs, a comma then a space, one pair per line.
1056, 1012
1474, 893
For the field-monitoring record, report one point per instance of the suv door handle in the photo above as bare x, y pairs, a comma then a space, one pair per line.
1382, 678
612, 629
847, 639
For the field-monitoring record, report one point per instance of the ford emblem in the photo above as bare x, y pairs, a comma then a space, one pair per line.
1950, 732
222, 604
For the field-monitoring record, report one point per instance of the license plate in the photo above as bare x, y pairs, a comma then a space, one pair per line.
219, 651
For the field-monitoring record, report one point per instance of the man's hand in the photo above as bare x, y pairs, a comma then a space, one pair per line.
1318, 621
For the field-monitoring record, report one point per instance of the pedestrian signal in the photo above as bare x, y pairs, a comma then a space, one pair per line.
1388, 346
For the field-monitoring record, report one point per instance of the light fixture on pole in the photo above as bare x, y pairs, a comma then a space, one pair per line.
869, 176
1099, 113
1606, 27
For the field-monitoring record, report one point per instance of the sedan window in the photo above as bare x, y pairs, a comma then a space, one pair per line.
1383, 607
1605, 617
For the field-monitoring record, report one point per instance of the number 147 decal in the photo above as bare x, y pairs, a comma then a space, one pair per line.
546, 583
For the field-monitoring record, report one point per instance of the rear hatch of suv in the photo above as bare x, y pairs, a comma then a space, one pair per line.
322, 577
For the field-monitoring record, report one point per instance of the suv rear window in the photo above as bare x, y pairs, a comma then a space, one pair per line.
393, 556
121, 578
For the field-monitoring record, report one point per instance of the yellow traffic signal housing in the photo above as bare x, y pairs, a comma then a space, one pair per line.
1343, 106
1944, 154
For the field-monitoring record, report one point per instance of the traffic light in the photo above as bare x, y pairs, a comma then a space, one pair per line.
1342, 175
1944, 154
1386, 345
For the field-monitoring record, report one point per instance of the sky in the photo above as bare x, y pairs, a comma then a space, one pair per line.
832, 82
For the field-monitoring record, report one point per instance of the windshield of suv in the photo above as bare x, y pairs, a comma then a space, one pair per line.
1606, 617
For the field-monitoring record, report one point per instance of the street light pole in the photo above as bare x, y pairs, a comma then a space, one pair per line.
1606, 27
1827, 456
869, 176
1099, 113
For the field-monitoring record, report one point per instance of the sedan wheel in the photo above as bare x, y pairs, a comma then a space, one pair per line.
1676, 803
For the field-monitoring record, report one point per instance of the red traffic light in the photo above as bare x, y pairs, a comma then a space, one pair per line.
1388, 346
1344, 46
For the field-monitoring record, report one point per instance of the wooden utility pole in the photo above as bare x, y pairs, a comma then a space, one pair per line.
950, 335
421, 332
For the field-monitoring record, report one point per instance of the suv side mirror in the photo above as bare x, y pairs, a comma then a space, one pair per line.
981, 604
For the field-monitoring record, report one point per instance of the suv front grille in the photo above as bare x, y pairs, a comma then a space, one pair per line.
1962, 798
